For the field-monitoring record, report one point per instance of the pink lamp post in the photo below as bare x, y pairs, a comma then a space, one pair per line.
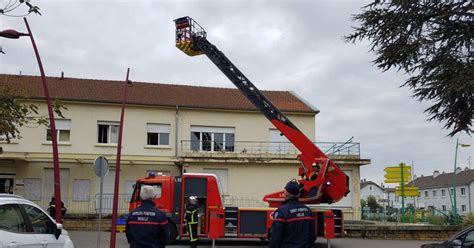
13, 34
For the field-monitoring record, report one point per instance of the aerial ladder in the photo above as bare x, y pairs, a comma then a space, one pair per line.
321, 181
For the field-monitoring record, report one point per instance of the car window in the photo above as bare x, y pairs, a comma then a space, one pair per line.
469, 240
11, 218
40, 222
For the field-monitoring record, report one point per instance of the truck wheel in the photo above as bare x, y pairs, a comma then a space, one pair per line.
171, 232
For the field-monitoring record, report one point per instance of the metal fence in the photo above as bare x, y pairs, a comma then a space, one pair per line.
265, 148
90, 205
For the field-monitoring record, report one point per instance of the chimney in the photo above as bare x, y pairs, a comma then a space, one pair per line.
414, 176
466, 169
62, 74
444, 172
458, 170
364, 180
435, 173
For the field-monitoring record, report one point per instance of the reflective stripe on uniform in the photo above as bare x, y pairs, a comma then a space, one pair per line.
192, 216
191, 238
147, 223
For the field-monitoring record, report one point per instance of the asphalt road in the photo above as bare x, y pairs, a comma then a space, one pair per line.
89, 239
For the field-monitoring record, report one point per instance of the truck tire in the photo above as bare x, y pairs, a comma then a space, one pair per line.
171, 232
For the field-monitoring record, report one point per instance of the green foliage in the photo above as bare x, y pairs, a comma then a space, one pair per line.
363, 203
436, 219
431, 41
372, 202
468, 220
15, 114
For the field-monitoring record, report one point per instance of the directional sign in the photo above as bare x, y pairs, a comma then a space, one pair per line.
394, 180
393, 175
407, 191
398, 169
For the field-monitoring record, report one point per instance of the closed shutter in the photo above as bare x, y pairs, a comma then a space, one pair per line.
48, 183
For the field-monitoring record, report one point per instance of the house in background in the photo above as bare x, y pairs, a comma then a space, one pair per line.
437, 191
168, 129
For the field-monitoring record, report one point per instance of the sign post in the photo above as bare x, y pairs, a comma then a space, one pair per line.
401, 174
101, 169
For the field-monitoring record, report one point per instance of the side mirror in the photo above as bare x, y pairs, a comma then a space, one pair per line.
57, 230
456, 243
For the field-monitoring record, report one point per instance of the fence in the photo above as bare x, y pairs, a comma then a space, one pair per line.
265, 148
91, 205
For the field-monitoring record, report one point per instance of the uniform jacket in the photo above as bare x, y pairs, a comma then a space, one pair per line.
191, 215
146, 226
293, 226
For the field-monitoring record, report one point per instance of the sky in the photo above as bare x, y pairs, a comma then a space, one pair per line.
290, 45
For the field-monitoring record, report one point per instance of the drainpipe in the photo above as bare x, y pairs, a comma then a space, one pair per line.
469, 195
176, 117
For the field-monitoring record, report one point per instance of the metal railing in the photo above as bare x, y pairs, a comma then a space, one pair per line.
90, 205
189, 147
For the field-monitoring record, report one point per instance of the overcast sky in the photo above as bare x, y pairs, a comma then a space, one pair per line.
280, 45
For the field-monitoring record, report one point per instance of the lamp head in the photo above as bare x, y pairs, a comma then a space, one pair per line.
11, 34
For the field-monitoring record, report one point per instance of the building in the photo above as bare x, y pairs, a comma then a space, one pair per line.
385, 196
437, 191
169, 129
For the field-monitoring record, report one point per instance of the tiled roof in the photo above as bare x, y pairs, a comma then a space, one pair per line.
444, 180
156, 94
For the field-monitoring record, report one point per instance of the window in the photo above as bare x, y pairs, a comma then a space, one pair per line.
158, 134
463, 191
212, 139
443, 207
426, 193
463, 208
40, 222
370, 188
434, 193
81, 190
63, 131
443, 192
11, 219
469, 240
107, 132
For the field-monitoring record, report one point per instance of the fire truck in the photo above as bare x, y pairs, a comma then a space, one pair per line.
321, 181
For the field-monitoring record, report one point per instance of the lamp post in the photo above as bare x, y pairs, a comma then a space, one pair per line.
113, 231
13, 34
455, 209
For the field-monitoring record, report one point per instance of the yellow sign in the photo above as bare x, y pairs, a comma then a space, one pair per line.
392, 175
398, 169
407, 193
394, 180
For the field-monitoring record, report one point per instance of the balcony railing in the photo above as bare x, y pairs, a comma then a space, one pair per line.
256, 148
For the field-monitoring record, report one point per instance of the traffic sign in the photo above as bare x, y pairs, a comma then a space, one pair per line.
398, 169
393, 175
394, 180
407, 191
101, 166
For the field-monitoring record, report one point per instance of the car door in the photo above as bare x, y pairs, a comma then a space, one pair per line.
469, 240
13, 228
43, 227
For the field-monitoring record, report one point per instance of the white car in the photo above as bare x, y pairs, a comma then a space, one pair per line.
24, 224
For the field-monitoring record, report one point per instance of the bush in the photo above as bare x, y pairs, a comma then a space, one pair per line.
468, 220
436, 220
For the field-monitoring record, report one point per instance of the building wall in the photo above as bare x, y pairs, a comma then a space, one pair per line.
29, 157
371, 190
438, 201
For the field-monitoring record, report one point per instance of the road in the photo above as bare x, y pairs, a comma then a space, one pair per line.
89, 239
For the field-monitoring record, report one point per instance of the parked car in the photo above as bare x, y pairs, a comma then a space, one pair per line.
462, 239
25, 224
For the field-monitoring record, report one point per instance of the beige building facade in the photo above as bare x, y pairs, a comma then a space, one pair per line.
216, 131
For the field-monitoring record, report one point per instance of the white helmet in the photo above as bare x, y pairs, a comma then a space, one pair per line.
192, 199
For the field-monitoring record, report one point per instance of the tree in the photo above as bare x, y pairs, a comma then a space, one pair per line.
12, 5
372, 202
432, 42
15, 114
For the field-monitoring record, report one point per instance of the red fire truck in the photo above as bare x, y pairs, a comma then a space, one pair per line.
321, 180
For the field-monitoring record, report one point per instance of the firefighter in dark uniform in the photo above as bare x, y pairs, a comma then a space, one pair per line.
293, 223
146, 225
192, 221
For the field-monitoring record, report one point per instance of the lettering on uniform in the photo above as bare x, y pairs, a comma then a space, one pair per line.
294, 210
142, 218
144, 213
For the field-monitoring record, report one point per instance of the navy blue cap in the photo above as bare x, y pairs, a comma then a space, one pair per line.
293, 187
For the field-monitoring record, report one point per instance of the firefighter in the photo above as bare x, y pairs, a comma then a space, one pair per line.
146, 225
52, 208
293, 223
192, 221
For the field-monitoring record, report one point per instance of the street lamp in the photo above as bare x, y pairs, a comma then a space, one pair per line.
455, 209
13, 34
